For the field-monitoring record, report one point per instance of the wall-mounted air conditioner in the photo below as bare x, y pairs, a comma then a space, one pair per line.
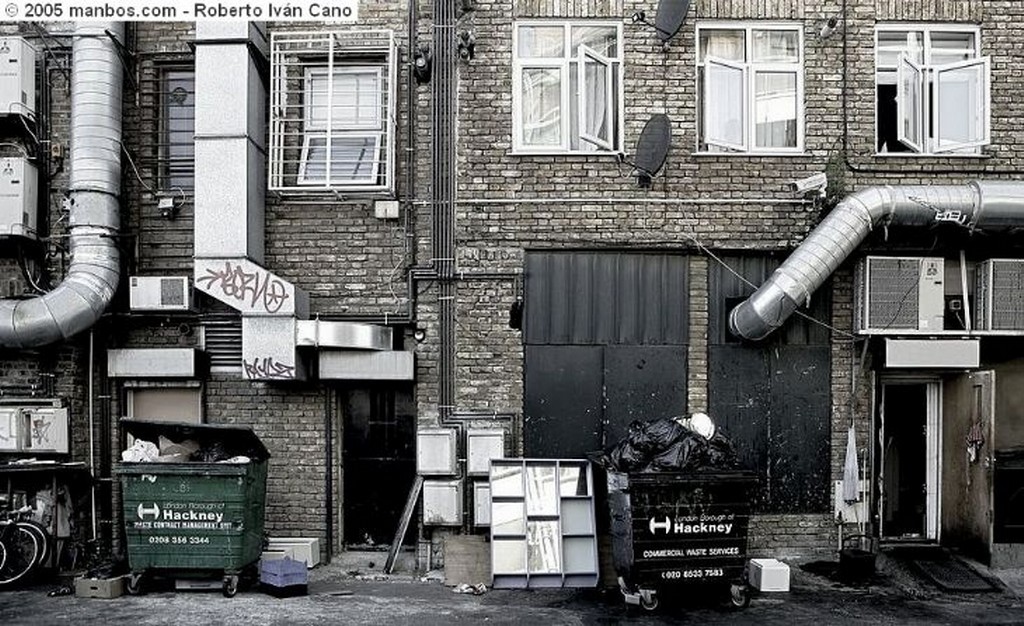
17, 77
19, 189
999, 295
897, 295
159, 293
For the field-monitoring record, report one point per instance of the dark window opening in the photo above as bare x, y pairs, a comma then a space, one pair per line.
176, 143
888, 122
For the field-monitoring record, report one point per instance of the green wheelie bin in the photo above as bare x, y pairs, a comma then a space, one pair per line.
192, 518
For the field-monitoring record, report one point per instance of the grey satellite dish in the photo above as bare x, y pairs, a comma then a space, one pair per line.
652, 148
670, 17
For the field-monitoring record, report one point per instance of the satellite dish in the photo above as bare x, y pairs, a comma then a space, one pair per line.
652, 148
670, 17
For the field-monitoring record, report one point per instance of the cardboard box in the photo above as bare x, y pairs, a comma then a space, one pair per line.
105, 588
769, 575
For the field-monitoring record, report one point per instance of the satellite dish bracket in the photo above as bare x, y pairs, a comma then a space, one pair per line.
640, 17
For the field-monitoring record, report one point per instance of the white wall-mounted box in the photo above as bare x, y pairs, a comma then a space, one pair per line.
769, 575
34, 429
481, 503
159, 293
435, 452
483, 445
17, 77
19, 191
442, 503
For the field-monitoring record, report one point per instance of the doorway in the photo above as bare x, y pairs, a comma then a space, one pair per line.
379, 443
909, 440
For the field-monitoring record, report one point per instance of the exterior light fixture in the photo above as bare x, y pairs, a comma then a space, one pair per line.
422, 64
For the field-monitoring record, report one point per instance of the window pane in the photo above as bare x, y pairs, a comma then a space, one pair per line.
356, 100
723, 44
776, 46
909, 104
723, 106
601, 39
541, 41
961, 106
595, 122
775, 109
542, 107
353, 159
891, 44
177, 141
950, 47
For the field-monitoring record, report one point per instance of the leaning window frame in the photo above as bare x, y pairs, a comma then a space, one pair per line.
751, 70
928, 71
564, 64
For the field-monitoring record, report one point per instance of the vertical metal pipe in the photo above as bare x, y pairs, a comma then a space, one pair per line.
90, 399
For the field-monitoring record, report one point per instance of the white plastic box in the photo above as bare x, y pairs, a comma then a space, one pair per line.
769, 575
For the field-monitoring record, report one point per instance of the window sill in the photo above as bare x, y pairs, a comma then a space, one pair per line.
930, 155
565, 153
733, 155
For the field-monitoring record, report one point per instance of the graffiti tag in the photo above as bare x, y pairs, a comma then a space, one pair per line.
254, 287
267, 367
41, 432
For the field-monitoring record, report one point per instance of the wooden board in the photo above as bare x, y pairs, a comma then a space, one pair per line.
403, 523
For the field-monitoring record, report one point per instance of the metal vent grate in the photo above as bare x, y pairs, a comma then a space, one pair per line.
893, 293
171, 292
1001, 292
222, 340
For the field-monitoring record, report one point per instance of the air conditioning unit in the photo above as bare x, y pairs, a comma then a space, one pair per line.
897, 295
159, 293
17, 77
19, 189
999, 295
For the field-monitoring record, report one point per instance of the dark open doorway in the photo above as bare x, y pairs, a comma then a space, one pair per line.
379, 462
904, 459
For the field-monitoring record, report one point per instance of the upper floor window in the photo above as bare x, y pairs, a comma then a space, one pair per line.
176, 144
332, 122
567, 87
750, 86
932, 90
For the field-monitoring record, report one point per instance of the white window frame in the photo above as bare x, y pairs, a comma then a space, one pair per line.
750, 70
328, 131
928, 106
566, 64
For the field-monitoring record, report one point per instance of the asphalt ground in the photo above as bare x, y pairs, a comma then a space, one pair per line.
337, 596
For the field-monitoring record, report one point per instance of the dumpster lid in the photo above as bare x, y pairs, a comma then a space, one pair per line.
236, 440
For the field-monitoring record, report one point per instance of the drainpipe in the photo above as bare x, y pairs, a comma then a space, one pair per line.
983, 205
92, 277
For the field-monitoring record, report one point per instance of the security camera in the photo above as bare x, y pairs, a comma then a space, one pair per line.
811, 184
639, 16
828, 28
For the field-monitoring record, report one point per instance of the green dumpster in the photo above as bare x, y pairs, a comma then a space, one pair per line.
189, 518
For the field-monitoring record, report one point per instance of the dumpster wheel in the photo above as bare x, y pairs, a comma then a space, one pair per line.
649, 601
230, 585
135, 583
739, 595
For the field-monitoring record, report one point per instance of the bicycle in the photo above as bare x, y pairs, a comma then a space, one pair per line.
24, 545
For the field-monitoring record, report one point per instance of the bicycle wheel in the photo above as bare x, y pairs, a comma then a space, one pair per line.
22, 553
42, 536
3, 556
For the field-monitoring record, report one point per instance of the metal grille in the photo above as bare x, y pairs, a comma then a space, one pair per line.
171, 292
892, 293
332, 113
222, 339
1000, 295
167, 116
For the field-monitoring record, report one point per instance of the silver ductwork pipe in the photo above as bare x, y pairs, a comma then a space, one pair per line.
989, 206
94, 270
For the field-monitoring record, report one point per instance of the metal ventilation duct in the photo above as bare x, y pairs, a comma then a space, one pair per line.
93, 274
990, 206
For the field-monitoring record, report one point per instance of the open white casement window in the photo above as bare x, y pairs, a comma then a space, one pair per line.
750, 86
961, 108
332, 112
344, 127
724, 104
933, 90
595, 98
910, 102
567, 87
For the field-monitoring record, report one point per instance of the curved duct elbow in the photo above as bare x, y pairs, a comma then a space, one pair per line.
94, 270
987, 205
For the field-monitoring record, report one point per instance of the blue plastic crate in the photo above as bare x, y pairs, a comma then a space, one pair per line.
283, 572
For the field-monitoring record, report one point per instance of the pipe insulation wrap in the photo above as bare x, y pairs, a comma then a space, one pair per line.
984, 205
95, 182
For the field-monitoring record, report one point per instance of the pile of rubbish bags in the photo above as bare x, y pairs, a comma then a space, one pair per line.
675, 444
187, 451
